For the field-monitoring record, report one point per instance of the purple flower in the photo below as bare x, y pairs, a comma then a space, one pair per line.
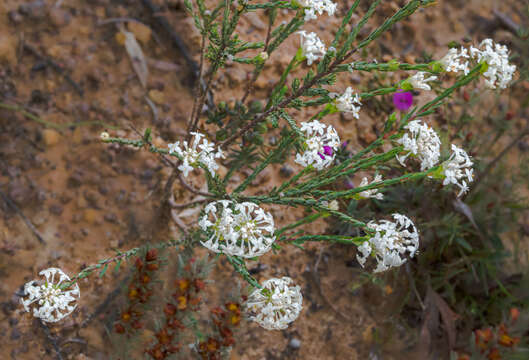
344, 144
321, 155
403, 100
327, 150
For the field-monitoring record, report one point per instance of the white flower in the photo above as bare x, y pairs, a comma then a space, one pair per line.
311, 45
419, 82
239, 229
372, 193
391, 242
499, 72
421, 141
455, 61
48, 301
332, 205
349, 103
278, 307
321, 145
201, 151
458, 170
318, 6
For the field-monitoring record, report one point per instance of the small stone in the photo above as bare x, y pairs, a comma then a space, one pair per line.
255, 21
140, 31
111, 218
157, 96
286, 171
8, 49
90, 215
59, 17
50, 137
56, 209
294, 343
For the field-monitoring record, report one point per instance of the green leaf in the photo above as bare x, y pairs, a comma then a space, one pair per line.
103, 271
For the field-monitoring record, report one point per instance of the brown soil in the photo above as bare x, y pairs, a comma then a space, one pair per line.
86, 198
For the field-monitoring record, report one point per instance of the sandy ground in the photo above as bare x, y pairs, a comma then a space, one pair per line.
86, 198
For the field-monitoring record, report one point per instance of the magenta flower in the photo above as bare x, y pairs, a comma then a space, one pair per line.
327, 150
403, 100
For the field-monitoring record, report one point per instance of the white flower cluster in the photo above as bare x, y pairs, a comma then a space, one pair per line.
48, 301
348, 102
458, 168
418, 81
372, 193
421, 141
456, 61
312, 47
391, 242
280, 304
239, 229
499, 72
322, 142
318, 6
201, 151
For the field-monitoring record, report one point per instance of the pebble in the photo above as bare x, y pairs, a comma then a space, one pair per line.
90, 215
286, 171
140, 31
50, 137
59, 17
56, 209
8, 49
294, 343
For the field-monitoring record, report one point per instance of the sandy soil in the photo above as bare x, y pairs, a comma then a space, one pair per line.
86, 198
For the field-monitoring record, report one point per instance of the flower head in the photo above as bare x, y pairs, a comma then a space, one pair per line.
499, 71
456, 61
420, 141
403, 100
349, 103
318, 6
322, 142
312, 47
49, 302
418, 81
239, 229
390, 243
372, 193
458, 170
199, 152
276, 305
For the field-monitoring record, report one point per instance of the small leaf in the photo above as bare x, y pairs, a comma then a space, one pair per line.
103, 271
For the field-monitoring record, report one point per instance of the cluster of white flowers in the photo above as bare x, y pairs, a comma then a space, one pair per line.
318, 6
201, 151
48, 301
421, 141
312, 47
418, 81
456, 61
322, 142
372, 193
391, 242
239, 229
499, 72
458, 169
348, 102
276, 305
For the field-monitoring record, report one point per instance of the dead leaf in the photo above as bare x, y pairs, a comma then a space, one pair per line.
162, 65
435, 306
139, 64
